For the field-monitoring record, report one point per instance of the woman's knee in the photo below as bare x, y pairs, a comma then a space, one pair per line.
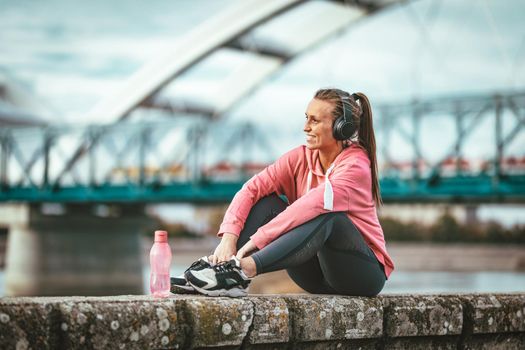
271, 202
260, 214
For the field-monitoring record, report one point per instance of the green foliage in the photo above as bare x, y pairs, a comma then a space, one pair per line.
447, 229
399, 231
497, 233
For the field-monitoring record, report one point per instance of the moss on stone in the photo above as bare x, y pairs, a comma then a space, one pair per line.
219, 321
264, 322
422, 315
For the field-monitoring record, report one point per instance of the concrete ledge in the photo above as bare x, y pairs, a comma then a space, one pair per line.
464, 321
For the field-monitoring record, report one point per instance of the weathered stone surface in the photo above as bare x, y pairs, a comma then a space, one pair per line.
355, 344
123, 323
279, 346
26, 323
271, 320
423, 343
219, 321
264, 322
420, 315
495, 313
321, 318
505, 341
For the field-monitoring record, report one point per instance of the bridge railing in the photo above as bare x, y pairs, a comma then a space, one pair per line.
451, 136
129, 153
425, 153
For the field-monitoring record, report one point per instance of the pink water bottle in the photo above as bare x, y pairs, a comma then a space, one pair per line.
160, 261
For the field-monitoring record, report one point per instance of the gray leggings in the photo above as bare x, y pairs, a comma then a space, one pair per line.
326, 255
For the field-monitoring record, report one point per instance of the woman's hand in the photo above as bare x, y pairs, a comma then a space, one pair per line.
225, 250
246, 249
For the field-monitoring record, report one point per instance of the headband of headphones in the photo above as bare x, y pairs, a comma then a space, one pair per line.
356, 98
344, 128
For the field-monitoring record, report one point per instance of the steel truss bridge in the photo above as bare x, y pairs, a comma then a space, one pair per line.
205, 158
190, 160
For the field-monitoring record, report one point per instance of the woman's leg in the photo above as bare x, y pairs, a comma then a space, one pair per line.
308, 274
261, 213
310, 277
326, 255
347, 264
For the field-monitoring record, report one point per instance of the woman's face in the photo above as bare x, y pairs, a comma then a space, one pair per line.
318, 125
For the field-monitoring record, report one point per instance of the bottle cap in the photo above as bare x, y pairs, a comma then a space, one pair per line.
161, 236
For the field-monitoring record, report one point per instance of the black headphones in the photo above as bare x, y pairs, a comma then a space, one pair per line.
344, 128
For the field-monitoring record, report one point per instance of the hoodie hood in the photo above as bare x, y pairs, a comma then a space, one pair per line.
314, 163
315, 168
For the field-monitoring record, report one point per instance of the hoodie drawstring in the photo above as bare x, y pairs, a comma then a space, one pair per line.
309, 181
328, 190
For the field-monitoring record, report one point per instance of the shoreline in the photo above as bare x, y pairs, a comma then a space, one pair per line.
407, 256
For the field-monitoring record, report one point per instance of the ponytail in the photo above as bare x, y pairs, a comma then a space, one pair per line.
367, 140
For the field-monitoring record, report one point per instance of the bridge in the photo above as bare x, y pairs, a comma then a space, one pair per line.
207, 161
193, 153
118, 160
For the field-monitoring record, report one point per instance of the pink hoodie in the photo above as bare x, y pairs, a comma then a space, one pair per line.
346, 187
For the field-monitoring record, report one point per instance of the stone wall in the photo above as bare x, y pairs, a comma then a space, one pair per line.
462, 321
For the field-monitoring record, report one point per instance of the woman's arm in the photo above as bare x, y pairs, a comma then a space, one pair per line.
278, 177
350, 183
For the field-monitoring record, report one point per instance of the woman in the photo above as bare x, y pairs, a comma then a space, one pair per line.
327, 234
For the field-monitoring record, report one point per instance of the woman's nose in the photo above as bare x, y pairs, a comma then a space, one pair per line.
306, 126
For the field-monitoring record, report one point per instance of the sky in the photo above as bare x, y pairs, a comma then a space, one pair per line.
70, 54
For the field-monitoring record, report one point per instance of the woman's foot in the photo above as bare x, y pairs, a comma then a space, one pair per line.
224, 279
179, 284
248, 267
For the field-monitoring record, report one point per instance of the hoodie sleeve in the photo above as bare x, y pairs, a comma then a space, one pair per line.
278, 177
349, 181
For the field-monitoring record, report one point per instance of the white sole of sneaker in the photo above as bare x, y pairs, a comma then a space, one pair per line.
233, 292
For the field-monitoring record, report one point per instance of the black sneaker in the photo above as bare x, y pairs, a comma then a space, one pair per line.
224, 279
179, 284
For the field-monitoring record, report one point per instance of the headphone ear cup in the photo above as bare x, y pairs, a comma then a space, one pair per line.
344, 126
343, 129
348, 129
338, 129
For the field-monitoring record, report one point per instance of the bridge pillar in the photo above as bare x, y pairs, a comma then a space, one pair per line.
73, 249
471, 214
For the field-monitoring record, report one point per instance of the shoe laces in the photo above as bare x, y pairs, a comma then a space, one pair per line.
225, 266
197, 263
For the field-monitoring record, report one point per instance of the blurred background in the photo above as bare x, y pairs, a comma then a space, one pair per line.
119, 118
